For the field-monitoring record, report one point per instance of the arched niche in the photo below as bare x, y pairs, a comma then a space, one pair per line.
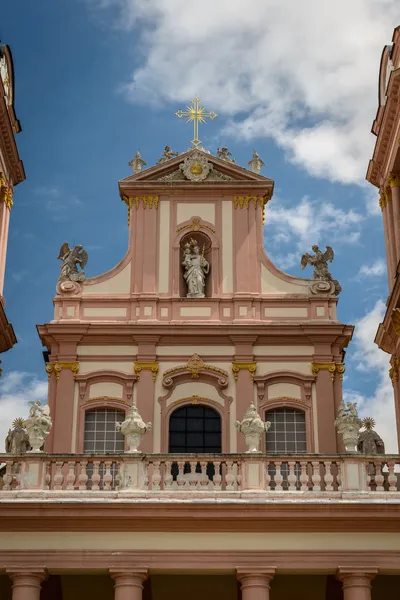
204, 234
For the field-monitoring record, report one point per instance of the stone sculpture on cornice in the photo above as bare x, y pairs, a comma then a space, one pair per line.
196, 269
252, 427
167, 154
17, 441
137, 163
71, 258
224, 154
348, 425
38, 424
323, 281
256, 163
369, 442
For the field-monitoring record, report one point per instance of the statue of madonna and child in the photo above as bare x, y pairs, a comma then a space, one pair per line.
196, 269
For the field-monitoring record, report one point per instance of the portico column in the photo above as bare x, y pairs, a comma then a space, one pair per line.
26, 583
128, 583
255, 582
356, 582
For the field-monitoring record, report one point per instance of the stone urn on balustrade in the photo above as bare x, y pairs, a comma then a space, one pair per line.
252, 427
348, 425
133, 429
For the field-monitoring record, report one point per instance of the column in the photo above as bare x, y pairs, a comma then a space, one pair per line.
356, 582
128, 583
255, 582
26, 583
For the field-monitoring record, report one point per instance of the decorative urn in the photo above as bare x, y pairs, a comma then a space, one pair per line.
38, 425
252, 428
133, 429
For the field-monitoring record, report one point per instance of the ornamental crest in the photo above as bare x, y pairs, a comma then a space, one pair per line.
196, 167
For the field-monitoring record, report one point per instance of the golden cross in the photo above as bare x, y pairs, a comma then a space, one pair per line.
198, 114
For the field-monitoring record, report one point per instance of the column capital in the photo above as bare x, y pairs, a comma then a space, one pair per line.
39, 573
266, 573
123, 574
364, 572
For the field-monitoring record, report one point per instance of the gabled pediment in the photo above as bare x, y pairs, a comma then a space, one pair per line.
195, 166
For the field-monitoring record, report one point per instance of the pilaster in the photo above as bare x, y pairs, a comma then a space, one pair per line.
325, 373
146, 368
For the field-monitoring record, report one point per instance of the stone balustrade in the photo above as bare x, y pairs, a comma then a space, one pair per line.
203, 474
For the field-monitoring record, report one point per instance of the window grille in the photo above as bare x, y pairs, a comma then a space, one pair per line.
287, 433
101, 436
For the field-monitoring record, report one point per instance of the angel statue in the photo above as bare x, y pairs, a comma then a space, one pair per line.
167, 154
320, 263
196, 268
224, 154
71, 258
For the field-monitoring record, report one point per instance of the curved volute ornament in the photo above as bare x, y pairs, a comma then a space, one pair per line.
252, 428
133, 429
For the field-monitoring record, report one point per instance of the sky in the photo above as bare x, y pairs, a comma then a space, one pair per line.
97, 80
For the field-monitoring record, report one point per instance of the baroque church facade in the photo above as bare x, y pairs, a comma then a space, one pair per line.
195, 439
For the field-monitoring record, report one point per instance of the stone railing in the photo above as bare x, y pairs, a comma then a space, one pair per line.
203, 474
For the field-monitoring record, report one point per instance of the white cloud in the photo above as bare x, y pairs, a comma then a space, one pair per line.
305, 73
17, 388
309, 222
369, 358
377, 269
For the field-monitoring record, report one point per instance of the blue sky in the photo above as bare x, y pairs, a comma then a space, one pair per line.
97, 80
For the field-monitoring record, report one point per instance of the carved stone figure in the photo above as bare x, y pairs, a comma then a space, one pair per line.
71, 258
137, 163
38, 424
256, 163
133, 429
369, 442
17, 441
321, 273
348, 425
224, 154
252, 427
167, 154
196, 269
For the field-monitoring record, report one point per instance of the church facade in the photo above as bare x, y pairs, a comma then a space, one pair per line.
11, 173
195, 439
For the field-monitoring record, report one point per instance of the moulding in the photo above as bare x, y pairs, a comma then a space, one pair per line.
331, 367
139, 366
243, 366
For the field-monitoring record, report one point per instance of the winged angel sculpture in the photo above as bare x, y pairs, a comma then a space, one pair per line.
320, 263
71, 258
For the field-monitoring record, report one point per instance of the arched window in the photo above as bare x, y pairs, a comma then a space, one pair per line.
195, 428
287, 433
100, 434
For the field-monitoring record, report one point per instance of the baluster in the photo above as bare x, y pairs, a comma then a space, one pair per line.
107, 479
156, 475
239, 475
229, 475
268, 475
18, 475
70, 478
181, 477
192, 475
168, 478
58, 476
304, 476
328, 479
83, 476
146, 478
292, 479
217, 479
7, 478
278, 478
339, 476
96, 477
316, 477
379, 478
392, 478
203, 476
47, 476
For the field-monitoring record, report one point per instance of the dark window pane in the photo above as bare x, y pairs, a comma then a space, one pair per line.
195, 428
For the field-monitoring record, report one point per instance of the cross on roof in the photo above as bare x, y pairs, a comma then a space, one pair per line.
198, 114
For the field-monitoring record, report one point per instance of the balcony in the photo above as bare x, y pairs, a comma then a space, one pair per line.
201, 476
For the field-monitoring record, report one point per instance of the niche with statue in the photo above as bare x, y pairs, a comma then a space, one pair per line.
195, 260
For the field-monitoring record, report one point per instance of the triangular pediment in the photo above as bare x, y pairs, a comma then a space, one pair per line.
195, 166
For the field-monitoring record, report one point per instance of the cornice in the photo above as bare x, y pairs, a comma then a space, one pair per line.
7, 335
9, 146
